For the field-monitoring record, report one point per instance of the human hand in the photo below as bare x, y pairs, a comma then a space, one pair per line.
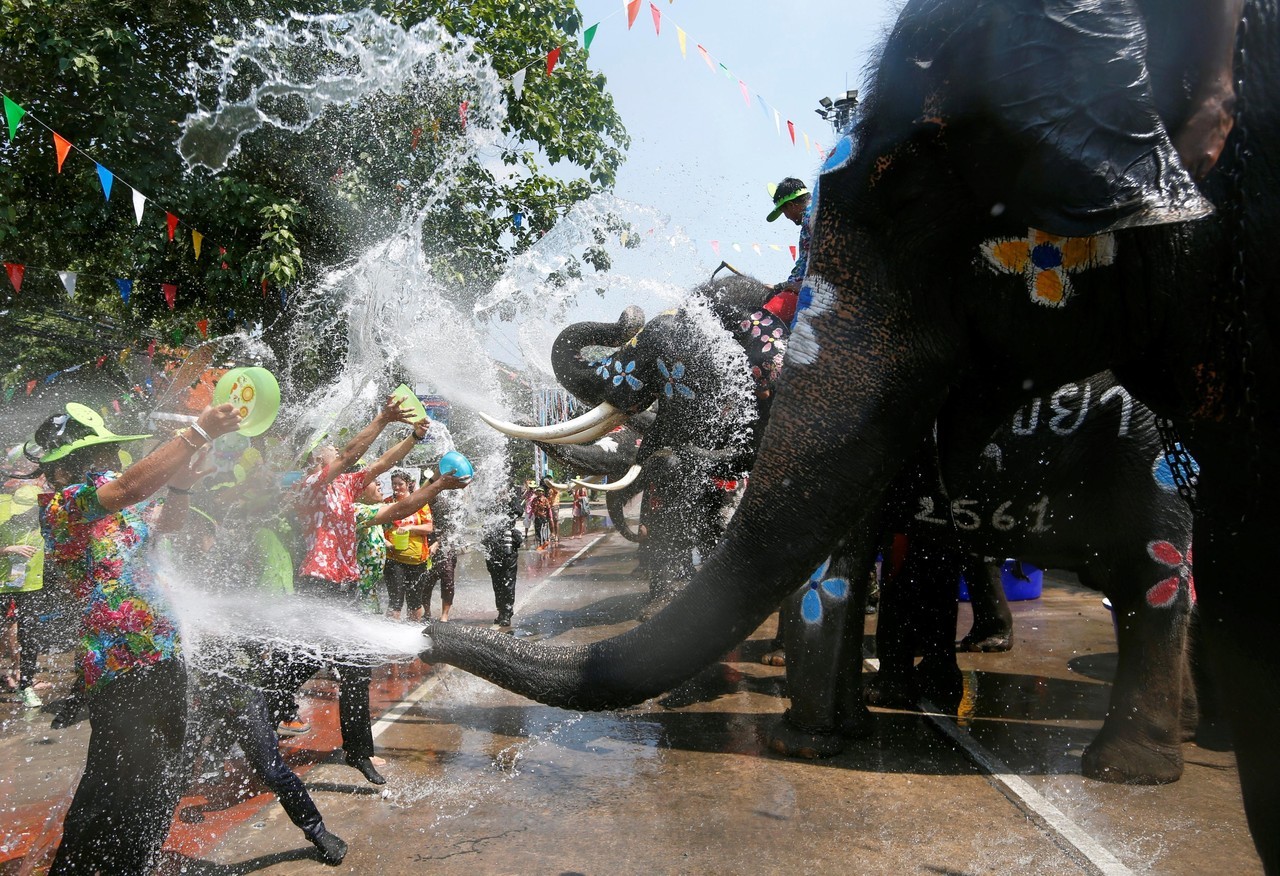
452, 482
187, 477
421, 428
219, 420
393, 412
20, 550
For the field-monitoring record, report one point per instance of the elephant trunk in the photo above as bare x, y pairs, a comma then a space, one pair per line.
849, 408
572, 370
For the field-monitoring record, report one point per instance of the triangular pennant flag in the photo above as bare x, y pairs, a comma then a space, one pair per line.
517, 82
715, 247
115, 405
553, 56
284, 298
633, 9
725, 71
806, 140
151, 352
793, 250
15, 273
764, 107
139, 203
657, 19
791, 129
706, 57
756, 247
126, 288
61, 145
170, 291
462, 113
737, 247
775, 247
98, 363
105, 177
517, 219
8, 393
197, 238
683, 39
202, 326
31, 386
176, 336
68, 279
777, 122
588, 35
171, 221
746, 95
264, 287
14, 113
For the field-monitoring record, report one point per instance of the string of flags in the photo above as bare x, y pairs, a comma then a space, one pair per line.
172, 357
15, 114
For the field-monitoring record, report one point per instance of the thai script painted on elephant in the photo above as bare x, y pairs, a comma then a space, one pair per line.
1064, 421
1048, 261
965, 515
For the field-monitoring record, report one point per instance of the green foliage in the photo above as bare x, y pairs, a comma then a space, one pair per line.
112, 77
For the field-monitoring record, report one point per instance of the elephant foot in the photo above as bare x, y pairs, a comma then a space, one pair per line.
893, 691
791, 740
1214, 735
978, 643
775, 657
1128, 762
858, 723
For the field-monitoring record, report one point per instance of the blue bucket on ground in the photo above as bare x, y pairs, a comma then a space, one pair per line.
1018, 588
964, 590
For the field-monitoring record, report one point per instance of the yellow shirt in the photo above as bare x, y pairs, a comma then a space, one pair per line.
416, 552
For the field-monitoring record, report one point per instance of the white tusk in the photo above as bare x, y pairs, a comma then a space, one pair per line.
593, 433
602, 412
625, 481
588, 482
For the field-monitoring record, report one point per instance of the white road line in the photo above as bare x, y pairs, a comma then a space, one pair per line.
1022, 794
430, 682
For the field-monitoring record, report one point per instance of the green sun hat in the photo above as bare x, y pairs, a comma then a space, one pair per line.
79, 428
784, 193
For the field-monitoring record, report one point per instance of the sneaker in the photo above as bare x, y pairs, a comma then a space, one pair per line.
30, 698
294, 726
332, 849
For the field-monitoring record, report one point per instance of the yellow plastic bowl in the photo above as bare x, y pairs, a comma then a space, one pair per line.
255, 393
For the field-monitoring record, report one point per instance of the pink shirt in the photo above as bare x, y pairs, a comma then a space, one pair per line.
328, 512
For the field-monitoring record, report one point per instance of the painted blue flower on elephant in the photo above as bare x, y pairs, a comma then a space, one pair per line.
811, 602
602, 366
1164, 474
673, 376
623, 372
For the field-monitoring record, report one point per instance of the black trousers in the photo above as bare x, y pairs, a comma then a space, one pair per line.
243, 711
132, 780
443, 568
406, 584
503, 576
290, 672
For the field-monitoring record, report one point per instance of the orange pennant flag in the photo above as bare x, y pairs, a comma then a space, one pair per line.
633, 9
62, 146
553, 56
202, 325
197, 238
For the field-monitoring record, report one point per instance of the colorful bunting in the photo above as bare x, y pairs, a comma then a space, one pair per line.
791, 129
793, 250
31, 386
171, 222
105, 177
62, 146
264, 287
126, 288
517, 82
15, 273
197, 238
706, 57
683, 39
68, 279
633, 9
554, 55
588, 35
657, 19
170, 291
746, 95
715, 246
14, 113
777, 122
202, 326
517, 219
139, 203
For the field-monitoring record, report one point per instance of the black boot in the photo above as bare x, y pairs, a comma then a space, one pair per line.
332, 849
365, 766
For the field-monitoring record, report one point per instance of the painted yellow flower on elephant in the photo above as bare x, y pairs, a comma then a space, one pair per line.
1048, 261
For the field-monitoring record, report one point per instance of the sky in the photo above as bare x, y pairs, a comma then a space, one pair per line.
700, 157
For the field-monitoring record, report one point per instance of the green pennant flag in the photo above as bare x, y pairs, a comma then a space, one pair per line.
588, 35
176, 335
8, 393
13, 114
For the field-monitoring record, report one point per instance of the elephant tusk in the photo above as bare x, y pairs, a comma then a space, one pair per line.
560, 487
588, 482
625, 481
559, 433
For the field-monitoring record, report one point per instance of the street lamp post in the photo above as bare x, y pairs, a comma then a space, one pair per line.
839, 112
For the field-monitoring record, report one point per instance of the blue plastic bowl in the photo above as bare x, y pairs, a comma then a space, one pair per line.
454, 463
1015, 588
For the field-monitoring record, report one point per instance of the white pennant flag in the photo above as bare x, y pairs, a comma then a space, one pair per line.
139, 201
777, 122
517, 82
68, 279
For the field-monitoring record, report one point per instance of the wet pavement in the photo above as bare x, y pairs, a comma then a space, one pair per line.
484, 782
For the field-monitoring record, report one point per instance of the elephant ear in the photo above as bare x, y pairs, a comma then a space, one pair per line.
1057, 126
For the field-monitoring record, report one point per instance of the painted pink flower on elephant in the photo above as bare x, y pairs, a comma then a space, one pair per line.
1164, 592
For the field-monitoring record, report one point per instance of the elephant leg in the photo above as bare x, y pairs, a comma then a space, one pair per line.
894, 683
1139, 742
992, 628
824, 660
1212, 730
938, 675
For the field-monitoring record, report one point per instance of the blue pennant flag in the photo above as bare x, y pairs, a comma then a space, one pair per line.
126, 287
105, 177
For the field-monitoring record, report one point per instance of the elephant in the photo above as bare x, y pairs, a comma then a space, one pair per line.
1008, 214
1075, 480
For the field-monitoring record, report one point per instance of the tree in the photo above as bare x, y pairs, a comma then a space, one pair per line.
112, 77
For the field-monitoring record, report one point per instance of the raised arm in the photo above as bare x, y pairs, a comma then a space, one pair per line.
355, 448
418, 498
398, 451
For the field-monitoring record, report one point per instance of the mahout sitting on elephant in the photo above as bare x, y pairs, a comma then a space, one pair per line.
1009, 214
1076, 480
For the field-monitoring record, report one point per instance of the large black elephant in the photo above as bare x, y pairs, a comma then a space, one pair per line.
1008, 215
1076, 480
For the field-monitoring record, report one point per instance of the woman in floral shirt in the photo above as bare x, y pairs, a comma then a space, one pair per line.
96, 524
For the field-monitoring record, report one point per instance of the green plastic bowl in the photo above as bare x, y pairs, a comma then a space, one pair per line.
405, 396
256, 395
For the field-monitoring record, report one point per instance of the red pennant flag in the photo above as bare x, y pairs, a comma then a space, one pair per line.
101, 359
202, 325
633, 9
746, 97
554, 55
715, 246
793, 251
31, 386
62, 146
222, 251
413, 144
170, 297
462, 113
151, 347
15, 273
172, 221
264, 287
791, 128
657, 19
115, 405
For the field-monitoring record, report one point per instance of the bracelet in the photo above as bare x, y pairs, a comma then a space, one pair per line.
202, 433
179, 491
186, 439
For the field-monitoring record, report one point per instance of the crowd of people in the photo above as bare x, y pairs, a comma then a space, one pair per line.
79, 538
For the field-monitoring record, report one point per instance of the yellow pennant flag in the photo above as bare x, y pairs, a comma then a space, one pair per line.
806, 142
680, 35
196, 239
